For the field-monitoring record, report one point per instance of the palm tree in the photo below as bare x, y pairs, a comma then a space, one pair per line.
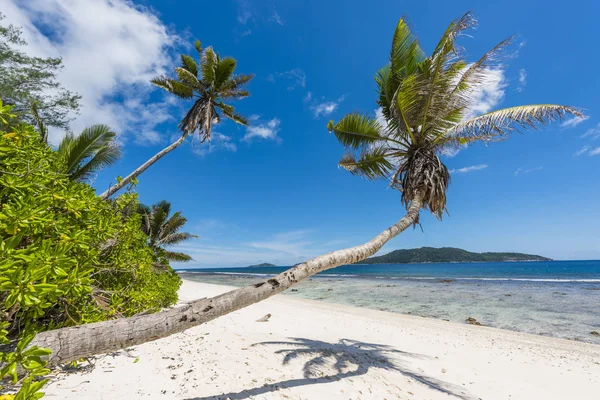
93, 149
424, 102
163, 231
208, 85
90, 151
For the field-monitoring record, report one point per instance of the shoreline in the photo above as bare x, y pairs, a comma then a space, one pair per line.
313, 349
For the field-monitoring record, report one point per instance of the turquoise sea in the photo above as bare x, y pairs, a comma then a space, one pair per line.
555, 298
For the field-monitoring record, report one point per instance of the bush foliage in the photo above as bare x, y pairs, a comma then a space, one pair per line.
67, 257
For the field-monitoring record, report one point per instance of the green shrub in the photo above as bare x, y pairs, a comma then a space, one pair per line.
67, 257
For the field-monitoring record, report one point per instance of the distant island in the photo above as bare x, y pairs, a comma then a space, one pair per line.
447, 255
263, 265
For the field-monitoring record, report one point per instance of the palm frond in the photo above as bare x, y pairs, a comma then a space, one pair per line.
177, 256
358, 131
176, 237
208, 64
372, 164
198, 47
188, 78
230, 113
224, 72
96, 140
173, 86
236, 94
106, 157
189, 64
406, 54
237, 82
507, 120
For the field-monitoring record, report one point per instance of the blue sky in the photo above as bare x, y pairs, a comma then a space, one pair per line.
273, 192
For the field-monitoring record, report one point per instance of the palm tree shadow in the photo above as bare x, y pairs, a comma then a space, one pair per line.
347, 358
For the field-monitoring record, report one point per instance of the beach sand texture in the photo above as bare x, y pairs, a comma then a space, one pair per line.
314, 350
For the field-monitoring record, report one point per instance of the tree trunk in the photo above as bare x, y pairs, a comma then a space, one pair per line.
68, 344
111, 190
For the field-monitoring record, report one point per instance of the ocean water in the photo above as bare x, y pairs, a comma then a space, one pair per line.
554, 298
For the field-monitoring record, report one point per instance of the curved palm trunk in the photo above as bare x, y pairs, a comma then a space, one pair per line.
111, 190
69, 344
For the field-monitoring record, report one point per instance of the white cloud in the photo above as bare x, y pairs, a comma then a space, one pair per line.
294, 78
267, 131
468, 169
592, 133
583, 150
522, 76
526, 171
595, 152
110, 50
308, 97
490, 94
218, 142
325, 108
573, 122
522, 79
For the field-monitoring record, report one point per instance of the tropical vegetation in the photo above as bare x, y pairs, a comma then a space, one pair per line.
209, 84
163, 231
446, 255
425, 102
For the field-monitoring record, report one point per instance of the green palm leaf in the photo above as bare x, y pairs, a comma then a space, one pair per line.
357, 131
189, 64
92, 150
372, 164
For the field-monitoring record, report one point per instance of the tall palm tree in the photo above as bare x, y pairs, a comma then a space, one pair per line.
209, 85
90, 151
163, 230
424, 102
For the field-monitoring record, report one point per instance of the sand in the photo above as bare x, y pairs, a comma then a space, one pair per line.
315, 350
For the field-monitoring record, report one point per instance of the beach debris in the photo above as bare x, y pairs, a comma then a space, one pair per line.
447, 280
595, 333
508, 294
293, 290
472, 321
264, 319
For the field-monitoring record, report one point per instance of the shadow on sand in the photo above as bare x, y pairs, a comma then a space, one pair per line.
347, 358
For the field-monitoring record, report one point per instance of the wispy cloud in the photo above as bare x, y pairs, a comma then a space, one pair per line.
267, 130
468, 169
573, 122
325, 108
522, 79
595, 152
218, 141
521, 171
275, 17
583, 150
592, 133
294, 78
123, 46
283, 248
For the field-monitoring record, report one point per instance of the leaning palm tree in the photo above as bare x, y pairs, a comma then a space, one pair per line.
163, 231
93, 149
424, 103
209, 85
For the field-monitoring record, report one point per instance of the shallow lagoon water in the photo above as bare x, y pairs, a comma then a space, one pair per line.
559, 298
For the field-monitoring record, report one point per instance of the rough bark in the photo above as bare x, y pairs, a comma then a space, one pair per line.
68, 344
115, 188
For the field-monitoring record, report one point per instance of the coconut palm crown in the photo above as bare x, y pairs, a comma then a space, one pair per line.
209, 85
163, 230
426, 106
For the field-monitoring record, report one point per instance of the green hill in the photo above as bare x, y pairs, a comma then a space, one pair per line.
447, 254
261, 265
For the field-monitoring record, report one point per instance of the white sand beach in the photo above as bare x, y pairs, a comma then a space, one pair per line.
315, 350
